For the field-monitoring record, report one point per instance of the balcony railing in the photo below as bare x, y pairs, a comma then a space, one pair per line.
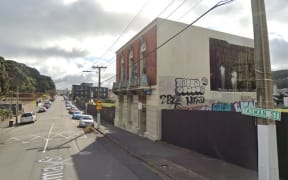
115, 86
132, 84
123, 84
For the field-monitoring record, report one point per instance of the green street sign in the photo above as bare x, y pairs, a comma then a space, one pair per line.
262, 113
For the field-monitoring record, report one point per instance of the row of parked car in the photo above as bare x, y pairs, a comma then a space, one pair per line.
84, 119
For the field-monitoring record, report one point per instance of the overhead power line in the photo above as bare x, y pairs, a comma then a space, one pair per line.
171, 2
189, 10
180, 5
125, 29
218, 4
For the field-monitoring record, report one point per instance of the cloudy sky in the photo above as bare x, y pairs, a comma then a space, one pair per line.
62, 38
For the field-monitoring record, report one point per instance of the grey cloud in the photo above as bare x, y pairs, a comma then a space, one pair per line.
69, 80
277, 10
26, 24
80, 66
279, 53
43, 19
20, 50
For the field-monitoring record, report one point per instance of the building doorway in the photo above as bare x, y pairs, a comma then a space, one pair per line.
121, 103
142, 114
130, 110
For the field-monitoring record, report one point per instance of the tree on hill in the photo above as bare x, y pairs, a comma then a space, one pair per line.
280, 78
29, 80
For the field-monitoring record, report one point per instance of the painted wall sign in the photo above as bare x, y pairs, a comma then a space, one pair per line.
232, 67
221, 107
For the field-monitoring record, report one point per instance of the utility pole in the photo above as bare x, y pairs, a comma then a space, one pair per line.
267, 137
98, 94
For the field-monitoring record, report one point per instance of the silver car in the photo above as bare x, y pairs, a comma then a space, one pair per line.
28, 117
86, 120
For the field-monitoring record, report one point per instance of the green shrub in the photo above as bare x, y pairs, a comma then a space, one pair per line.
5, 114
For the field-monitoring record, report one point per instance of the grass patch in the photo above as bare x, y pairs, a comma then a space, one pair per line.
108, 105
88, 129
281, 110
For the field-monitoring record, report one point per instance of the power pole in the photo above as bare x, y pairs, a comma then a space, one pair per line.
267, 137
98, 93
99, 78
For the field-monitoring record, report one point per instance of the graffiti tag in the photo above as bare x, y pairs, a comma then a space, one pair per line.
190, 86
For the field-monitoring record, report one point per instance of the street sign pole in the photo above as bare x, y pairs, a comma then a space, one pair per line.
267, 138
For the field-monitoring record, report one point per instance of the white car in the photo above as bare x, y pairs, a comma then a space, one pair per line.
86, 120
28, 117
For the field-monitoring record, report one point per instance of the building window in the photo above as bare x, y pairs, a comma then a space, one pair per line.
143, 76
143, 57
131, 64
122, 68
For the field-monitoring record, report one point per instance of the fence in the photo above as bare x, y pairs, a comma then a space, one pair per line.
229, 136
107, 113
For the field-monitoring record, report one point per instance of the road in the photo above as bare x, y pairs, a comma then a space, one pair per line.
53, 148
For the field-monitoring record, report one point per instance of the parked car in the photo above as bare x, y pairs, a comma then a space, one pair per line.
41, 109
28, 117
86, 120
77, 115
72, 110
47, 105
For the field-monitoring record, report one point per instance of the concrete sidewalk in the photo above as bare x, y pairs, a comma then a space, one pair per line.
172, 162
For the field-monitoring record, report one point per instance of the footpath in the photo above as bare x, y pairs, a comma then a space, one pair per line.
173, 162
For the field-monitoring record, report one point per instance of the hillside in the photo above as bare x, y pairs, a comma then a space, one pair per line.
28, 79
280, 78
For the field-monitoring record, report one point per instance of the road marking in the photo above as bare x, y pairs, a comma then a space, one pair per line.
84, 153
35, 137
12, 139
25, 142
47, 140
54, 170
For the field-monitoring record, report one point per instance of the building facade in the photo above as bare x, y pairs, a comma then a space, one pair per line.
87, 91
199, 69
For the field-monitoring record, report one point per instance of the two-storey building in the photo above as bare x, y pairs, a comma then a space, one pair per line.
168, 65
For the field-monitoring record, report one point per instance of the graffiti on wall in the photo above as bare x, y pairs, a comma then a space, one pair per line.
221, 107
187, 92
168, 99
236, 106
190, 86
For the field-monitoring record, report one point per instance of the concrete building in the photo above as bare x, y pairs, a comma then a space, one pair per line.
87, 91
199, 69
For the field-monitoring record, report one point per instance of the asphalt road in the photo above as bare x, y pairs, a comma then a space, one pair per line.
53, 148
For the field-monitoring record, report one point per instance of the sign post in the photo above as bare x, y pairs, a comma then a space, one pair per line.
99, 108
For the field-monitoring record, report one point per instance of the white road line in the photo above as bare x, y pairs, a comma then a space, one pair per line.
47, 140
